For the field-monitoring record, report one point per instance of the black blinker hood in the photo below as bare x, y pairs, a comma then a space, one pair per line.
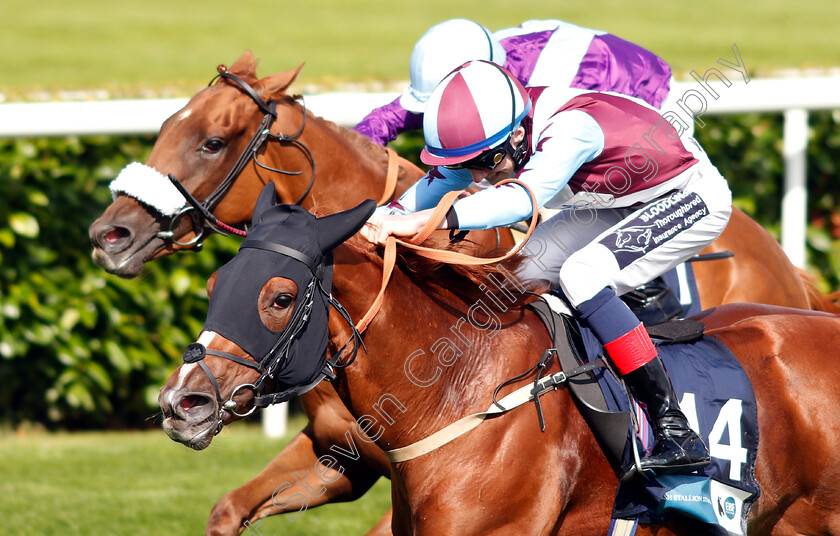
286, 241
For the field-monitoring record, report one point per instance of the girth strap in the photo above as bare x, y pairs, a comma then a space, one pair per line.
462, 426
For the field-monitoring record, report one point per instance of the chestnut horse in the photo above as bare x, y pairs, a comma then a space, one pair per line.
309, 160
204, 140
504, 477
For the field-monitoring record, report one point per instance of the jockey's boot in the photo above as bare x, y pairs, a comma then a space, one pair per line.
678, 449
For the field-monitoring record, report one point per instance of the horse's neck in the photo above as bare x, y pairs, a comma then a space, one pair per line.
430, 359
396, 411
347, 170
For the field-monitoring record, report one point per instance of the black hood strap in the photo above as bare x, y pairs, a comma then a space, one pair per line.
356, 337
283, 250
328, 369
235, 358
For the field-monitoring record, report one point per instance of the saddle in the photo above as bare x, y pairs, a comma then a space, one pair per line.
653, 303
714, 390
572, 345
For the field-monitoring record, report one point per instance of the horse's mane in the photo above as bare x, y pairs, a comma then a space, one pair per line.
360, 141
365, 145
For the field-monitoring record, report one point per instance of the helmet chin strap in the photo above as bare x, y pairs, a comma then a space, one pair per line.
519, 153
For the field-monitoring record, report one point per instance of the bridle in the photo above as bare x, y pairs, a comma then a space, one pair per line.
201, 218
277, 356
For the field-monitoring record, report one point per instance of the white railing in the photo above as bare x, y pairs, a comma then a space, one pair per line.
144, 116
793, 97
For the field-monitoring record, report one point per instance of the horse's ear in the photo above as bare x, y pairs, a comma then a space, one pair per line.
245, 65
266, 200
336, 228
270, 86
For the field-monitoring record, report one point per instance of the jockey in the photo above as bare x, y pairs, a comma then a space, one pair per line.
645, 200
538, 53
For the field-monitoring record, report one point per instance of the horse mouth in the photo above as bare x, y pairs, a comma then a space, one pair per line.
202, 440
197, 436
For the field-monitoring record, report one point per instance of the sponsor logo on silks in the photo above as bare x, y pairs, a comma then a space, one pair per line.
674, 208
654, 225
633, 239
661, 206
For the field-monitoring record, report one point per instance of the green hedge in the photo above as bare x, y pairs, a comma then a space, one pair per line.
747, 149
81, 348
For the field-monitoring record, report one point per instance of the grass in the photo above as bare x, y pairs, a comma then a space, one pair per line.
142, 483
167, 47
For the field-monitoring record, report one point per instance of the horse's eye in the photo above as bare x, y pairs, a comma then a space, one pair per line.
282, 301
213, 145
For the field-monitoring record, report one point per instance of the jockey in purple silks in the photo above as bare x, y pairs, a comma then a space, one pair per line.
645, 199
538, 53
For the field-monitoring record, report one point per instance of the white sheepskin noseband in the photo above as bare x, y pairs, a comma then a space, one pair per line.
148, 186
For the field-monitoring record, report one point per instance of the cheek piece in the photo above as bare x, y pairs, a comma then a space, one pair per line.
294, 358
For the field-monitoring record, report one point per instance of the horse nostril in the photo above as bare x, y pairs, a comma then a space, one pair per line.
111, 239
116, 234
192, 401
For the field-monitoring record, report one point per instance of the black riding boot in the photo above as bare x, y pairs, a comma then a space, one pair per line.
677, 449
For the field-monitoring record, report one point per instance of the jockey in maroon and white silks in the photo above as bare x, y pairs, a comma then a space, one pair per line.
538, 53
616, 155
644, 200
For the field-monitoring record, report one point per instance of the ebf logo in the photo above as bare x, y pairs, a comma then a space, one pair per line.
727, 507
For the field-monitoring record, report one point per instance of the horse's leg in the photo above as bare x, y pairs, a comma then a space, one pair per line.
382, 527
275, 490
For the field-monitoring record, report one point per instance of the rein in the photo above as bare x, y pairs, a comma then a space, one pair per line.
276, 357
450, 257
200, 213
513, 400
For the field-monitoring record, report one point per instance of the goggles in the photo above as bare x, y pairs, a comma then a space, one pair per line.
487, 160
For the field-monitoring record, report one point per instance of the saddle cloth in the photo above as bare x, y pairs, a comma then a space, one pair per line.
718, 400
